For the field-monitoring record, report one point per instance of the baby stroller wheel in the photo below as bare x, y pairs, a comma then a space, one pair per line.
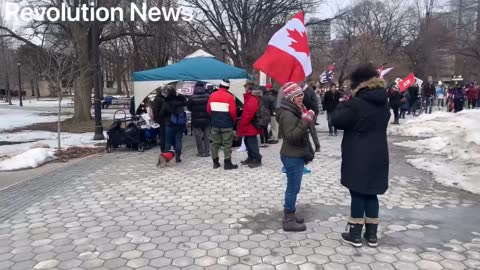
140, 147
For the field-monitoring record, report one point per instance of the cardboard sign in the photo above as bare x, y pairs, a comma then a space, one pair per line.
185, 88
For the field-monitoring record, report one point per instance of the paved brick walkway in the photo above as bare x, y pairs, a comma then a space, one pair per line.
118, 211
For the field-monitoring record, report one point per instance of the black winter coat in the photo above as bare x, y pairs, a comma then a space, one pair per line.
173, 104
395, 99
157, 109
364, 119
331, 100
197, 104
310, 100
269, 99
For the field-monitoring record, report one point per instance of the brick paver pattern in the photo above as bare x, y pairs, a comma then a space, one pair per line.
118, 211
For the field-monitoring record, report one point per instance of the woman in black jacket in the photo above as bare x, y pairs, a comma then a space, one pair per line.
365, 160
173, 111
395, 102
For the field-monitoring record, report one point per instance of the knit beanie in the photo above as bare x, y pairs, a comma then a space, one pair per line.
291, 90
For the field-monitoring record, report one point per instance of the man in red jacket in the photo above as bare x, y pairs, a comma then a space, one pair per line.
223, 114
472, 95
252, 99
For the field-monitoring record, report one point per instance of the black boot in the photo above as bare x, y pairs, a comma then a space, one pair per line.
216, 163
255, 164
354, 235
371, 234
290, 223
229, 166
246, 161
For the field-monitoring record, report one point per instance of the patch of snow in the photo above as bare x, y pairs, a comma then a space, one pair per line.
44, 102
14, 118
450, 148
30, 159
44, 137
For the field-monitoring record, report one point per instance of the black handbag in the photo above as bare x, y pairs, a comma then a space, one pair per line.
309, 151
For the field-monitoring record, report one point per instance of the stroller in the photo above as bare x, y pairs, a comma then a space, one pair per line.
132, 136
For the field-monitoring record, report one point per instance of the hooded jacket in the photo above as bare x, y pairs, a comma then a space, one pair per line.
173, 105
197, 104
293, 129
364, 119
250, 108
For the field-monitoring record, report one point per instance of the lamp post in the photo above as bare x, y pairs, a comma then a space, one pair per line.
224, 49
98, 110
19, 84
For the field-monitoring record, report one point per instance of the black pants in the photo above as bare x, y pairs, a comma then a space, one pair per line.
458, 104
162, 137
403, 112
264, 136
251, 142
364, 205
396, 113
472, 103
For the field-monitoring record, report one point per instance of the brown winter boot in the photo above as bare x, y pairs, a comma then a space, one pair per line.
290, 223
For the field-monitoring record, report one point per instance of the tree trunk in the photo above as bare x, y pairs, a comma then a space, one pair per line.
126, 86
37, 87
59, 129
32, 85
84, 82
118, 77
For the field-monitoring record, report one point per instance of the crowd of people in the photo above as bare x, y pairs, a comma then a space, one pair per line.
452, 98
290, 115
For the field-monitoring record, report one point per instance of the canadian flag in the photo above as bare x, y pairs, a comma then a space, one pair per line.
287, 57
382, 71
407, 82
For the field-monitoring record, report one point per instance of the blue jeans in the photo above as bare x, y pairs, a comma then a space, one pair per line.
251, 142
294, 169
174, 136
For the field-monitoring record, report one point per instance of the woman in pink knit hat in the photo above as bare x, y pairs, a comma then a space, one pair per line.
296, 151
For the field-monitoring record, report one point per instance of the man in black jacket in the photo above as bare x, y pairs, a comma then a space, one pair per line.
330, 102
428, 94
311, 103
197, 105
413, 94
270, 101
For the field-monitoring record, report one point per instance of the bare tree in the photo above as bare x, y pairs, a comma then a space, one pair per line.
80, 35
243, 25
58, 70
371, 31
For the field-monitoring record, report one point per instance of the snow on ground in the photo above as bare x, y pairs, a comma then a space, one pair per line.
43, 137
449, 148
14, 118
44, 102
29, 159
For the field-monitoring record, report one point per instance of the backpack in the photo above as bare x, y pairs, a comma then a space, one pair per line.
262, 116
178, 119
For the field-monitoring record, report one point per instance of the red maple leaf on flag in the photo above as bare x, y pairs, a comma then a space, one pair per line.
300, 41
